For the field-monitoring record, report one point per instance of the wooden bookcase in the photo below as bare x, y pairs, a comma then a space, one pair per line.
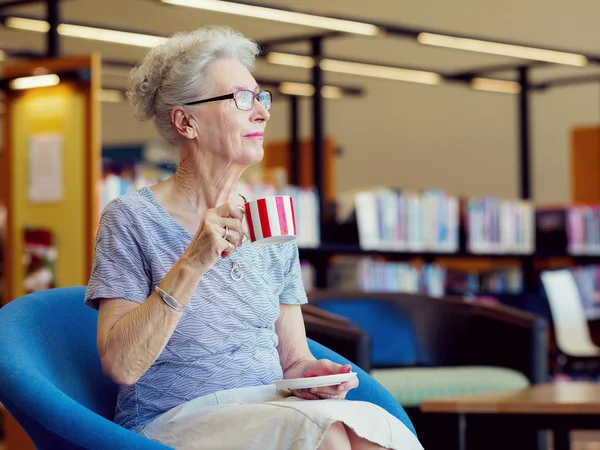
69, 111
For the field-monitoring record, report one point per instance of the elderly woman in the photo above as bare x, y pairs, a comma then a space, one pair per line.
196, 323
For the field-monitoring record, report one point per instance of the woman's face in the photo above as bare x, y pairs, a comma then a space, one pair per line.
223, 129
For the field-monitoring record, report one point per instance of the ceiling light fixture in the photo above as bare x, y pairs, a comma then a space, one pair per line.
376, 71
308, 90
34, 82
86, 32
503, 86
495, 48
286, 59
354, 68
280, 15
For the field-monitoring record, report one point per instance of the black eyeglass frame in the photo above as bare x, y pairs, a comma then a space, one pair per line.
233, 96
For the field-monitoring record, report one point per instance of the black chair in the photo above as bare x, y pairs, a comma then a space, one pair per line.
417, 331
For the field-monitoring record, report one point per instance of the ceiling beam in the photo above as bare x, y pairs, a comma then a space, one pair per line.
567, 81
13, 3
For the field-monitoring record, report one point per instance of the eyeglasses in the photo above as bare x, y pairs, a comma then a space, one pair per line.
244, 100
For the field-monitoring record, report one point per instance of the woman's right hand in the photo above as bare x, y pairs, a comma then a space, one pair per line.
209, 243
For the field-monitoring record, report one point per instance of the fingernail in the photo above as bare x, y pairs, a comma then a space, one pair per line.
340, 387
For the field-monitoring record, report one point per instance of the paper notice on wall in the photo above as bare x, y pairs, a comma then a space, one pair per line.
45, 168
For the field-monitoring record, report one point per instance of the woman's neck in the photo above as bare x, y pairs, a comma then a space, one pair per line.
209, 184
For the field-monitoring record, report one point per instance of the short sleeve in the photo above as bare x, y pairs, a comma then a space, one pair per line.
120, 268
293, 291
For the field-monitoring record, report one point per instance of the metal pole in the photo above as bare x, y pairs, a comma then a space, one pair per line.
530, 280
321, 263
53, 38
524, 136
318, 122
294, 141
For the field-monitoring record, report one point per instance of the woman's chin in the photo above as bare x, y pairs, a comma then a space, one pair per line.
253, 155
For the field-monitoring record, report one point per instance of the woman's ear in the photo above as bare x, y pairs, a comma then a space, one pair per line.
184, 123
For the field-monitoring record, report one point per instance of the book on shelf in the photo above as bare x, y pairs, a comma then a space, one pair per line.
569, 229
395, 220
369, 274
496, 226
498, 281
373, 275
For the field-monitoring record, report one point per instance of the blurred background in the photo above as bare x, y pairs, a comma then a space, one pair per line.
438, 153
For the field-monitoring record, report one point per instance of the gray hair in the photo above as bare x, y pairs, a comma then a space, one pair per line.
175, 72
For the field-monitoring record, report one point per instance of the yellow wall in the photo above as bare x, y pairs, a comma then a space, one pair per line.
59, 109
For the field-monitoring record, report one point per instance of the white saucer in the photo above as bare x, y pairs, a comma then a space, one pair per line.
313, 382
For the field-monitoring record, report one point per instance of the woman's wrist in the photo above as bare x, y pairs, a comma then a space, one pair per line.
192, 265
296, 368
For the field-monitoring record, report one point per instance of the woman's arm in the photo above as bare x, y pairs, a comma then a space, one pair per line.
297, 361
292, 348
132, 336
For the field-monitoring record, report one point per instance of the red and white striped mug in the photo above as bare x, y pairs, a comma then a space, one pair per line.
271, 220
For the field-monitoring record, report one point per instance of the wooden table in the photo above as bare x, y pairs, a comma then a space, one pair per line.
560, 407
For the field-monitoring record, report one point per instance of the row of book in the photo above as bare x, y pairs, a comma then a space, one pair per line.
393, 220
500, 226
499, 281
388, 219
583, 230
433, 221
574, 229
375, 275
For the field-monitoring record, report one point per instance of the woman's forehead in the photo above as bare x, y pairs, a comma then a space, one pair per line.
230, 75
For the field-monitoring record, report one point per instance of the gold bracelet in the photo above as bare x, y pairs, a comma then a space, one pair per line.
170, 301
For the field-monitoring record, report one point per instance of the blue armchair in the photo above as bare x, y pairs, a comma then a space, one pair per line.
52, 383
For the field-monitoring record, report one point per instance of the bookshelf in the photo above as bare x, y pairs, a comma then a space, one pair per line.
509, 259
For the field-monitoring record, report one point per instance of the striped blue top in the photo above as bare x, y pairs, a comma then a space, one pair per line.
226, 336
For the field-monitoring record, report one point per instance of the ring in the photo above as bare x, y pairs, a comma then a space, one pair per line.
227, 234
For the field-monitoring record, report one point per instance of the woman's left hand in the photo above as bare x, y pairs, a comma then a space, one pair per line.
312, 368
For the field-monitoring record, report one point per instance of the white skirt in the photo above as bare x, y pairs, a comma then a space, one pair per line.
263, 417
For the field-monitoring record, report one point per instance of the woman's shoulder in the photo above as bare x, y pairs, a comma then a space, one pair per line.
128, 209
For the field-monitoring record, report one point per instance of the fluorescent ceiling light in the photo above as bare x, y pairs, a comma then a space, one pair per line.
118, 37
285, 59
308, 90
110, 95
332, 92
487, 84
35, 81
20, 23
278, 15
495, 48
353, 68
84, 32
372, 70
